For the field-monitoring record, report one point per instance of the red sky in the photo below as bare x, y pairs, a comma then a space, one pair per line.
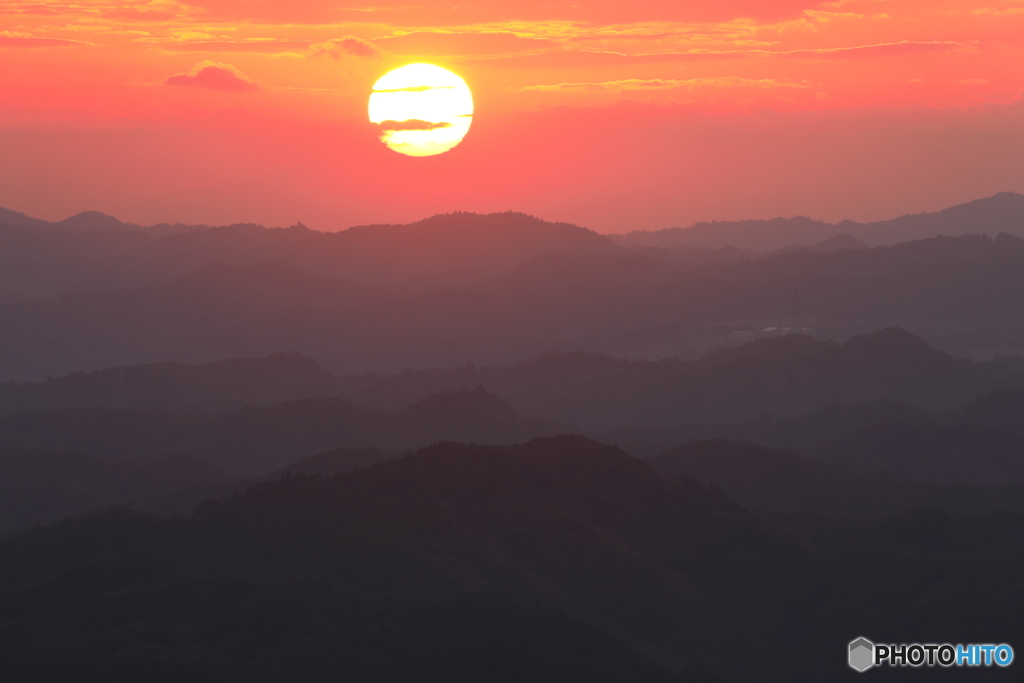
614, 115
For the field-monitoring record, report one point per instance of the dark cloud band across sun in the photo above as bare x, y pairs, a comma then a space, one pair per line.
413, 124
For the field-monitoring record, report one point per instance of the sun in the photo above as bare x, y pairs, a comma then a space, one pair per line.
421, 109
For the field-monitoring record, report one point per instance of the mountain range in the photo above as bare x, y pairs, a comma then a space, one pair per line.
962, 294
778, 376
878, 424
1003, 212
503, 449
258, 440
99, 252
92, 251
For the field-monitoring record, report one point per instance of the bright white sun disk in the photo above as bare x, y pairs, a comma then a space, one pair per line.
422, 109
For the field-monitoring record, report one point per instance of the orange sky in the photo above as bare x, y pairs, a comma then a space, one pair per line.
614, 115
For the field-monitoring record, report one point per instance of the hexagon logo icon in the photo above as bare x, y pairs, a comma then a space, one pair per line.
862, 654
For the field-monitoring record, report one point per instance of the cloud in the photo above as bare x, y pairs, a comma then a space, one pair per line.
349, 46
664, 84
993, 12
901, 47
264, 46
462, 43
430, 13
588, 58
413, 124
15, 39
129, 10
417, 88
215, 77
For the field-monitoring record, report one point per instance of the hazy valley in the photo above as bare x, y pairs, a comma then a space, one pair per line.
250, 453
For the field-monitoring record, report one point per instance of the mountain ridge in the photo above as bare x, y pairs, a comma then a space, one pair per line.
104, 256
962, 293
1002, 212
774, 377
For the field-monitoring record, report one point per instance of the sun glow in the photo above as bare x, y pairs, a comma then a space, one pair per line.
421, 109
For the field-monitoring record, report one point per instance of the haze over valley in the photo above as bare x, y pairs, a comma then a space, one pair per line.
633, 455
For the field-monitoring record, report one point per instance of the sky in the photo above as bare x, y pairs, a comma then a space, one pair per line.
609, 114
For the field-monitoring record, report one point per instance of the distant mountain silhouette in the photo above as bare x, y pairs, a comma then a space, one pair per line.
41, 263
93, 220
835, 243
757, 235
1002, 212
787, 375
89, 221
179, 387
380, 253
93, 251
781, 376
976, 443
257, 440
18, 219
961, 293
367, 480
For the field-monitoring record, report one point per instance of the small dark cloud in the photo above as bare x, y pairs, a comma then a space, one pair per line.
214, 76
412, 124
349, 46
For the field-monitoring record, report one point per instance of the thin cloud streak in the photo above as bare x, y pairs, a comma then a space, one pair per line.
15, 39
663, 84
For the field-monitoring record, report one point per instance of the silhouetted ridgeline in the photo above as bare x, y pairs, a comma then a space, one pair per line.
61, 259
546, 561
257, 440
781, 376
1003, 212
856, 460
794, 492
962, 293
880, 423
92, 250
487, 289
980, 442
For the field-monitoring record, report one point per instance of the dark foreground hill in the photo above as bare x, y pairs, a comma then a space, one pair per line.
556, 560
781, 480
40, 487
